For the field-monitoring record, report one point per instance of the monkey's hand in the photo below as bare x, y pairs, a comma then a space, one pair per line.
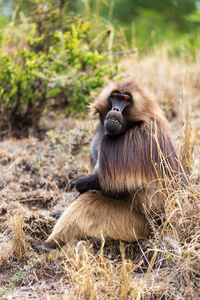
87, 183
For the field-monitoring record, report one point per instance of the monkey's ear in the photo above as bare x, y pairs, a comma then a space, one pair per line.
93, 110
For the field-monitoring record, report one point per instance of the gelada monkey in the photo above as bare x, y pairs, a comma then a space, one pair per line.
133, 159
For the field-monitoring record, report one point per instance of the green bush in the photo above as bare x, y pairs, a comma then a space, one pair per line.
79, 69
22, 92
68, 68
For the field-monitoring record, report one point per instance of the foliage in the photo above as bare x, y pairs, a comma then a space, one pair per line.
56, 62
148, 23
140, 19
79, 68
168, 11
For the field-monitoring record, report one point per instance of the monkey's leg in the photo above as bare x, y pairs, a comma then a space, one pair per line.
95, 215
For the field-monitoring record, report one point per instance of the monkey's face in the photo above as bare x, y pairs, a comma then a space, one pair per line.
115, 122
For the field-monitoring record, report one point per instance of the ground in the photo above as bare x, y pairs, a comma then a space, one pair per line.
37, 178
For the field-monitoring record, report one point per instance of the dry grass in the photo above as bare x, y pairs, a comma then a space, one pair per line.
37, 178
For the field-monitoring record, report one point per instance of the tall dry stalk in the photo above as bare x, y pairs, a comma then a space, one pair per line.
20, 245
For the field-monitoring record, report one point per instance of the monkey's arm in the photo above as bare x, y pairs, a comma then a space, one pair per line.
87, 183
95, 146
91, 182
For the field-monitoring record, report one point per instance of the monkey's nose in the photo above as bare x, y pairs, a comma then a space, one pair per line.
116, 108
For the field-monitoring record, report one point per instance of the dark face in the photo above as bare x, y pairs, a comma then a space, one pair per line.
115, 121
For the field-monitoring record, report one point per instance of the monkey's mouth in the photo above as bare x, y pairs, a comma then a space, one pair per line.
112, 126
114, 120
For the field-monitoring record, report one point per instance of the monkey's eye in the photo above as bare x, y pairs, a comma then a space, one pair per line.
127, 98
114, 96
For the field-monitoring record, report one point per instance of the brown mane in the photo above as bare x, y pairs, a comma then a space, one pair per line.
136, 158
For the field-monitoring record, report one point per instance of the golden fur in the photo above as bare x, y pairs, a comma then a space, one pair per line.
94, 214
138, 161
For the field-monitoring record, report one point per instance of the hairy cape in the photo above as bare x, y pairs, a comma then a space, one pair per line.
144, 153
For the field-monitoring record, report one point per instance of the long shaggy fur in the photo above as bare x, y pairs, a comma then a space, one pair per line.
135, 165
135, 159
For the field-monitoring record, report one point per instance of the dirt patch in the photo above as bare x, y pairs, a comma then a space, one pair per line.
37, 179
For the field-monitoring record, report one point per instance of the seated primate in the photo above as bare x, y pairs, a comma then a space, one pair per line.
133, 158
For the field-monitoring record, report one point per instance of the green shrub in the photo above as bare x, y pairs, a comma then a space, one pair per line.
22, 92
80, 69
69, 68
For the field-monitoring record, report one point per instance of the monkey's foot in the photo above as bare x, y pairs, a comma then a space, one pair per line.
42, 246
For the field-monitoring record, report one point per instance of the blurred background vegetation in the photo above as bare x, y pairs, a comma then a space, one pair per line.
54, 53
